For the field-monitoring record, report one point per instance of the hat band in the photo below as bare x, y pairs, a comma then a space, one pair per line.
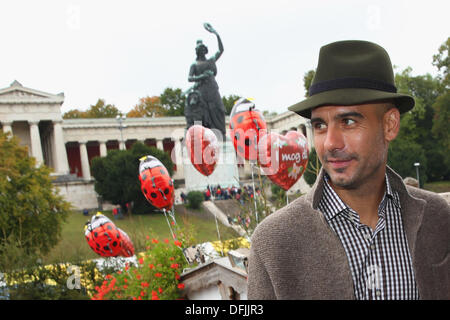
346, 83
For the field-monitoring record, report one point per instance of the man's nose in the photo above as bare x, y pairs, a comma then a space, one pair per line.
334, 139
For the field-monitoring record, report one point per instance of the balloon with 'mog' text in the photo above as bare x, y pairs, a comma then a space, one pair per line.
283, 158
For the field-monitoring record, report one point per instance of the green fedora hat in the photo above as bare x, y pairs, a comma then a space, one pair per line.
352, 72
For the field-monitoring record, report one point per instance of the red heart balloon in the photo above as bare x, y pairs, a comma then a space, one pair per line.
283, 158
203, 148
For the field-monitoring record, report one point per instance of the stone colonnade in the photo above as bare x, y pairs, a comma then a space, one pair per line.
80, 165
57, 153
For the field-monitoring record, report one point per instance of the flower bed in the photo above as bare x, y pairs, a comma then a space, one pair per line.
155, 277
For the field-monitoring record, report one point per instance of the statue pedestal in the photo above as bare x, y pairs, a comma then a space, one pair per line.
225, 174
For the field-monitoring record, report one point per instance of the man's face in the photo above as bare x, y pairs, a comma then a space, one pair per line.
350, 143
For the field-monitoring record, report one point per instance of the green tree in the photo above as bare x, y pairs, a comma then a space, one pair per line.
116, 176
441, 60
32, 210
416, 127
74, 114
102, 110
307, 80
172, 101
441, 119
313, 167
147, 107
228, 102
195, 199
95, 111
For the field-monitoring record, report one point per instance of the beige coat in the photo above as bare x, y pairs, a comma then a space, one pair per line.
296, 255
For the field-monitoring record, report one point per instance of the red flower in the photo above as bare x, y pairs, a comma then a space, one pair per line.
125, 286
166, 240
151, 266
138, 276
142, 293
147, 237
177, 243
174, 265
155, 295
144, 284
155, 241
141, 260
173, 223
160, 290
181, 286
158, 275
171, 258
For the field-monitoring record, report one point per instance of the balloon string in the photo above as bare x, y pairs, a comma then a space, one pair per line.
217, 225
252, 164
168, 223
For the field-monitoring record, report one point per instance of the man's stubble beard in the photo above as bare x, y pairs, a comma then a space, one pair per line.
358, 178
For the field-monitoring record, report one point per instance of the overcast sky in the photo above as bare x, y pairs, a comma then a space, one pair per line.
124, 50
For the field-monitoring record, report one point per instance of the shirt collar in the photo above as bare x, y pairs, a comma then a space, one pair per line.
334, 205
392, 194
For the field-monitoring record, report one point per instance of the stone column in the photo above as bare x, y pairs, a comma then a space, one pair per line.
159, 144
60, 153
36, 147
84, 161
178, 153
103, 149
7, 127
122, 145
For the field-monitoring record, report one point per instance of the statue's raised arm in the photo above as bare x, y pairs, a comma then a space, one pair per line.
209, 28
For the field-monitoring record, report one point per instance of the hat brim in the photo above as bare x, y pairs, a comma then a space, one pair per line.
350, 96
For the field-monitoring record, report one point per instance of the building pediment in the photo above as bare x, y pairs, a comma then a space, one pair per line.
18, 94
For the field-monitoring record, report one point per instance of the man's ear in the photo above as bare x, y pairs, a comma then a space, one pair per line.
391, 123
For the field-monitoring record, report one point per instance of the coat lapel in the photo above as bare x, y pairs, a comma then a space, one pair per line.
412, 210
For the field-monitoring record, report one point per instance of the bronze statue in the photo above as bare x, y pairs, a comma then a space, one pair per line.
204, 102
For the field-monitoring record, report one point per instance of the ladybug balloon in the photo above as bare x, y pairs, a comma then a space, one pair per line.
203, 148
106, 239
247, 125
283, 158
156, 184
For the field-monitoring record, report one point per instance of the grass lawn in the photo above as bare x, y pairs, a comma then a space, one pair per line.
73, 246
439, 186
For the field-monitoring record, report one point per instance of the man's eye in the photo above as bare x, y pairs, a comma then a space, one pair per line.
319, 126
349, 121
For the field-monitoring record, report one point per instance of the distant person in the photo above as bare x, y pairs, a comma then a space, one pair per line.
360, 233
115, 212
183, 197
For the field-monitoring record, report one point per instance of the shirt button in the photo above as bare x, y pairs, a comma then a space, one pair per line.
372, 246
378, 293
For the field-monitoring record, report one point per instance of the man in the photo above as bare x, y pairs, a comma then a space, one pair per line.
360, 233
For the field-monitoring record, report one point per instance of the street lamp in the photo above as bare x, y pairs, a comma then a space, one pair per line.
120, 119
417, 165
